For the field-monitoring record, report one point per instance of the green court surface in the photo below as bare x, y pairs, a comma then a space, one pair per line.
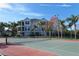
59, 46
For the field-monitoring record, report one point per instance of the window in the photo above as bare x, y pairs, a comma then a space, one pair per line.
23, 23
27, 22
42, 29
22, 28
22, 33
28, 28
25, 29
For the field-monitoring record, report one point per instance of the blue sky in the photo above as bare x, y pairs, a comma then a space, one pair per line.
18, 11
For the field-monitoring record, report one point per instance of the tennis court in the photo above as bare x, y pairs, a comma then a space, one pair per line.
60, 47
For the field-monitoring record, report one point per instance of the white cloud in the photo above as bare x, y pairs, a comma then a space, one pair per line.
77, 27
45, 5
14, 7
72, 27
64, 5
19, 9
32, 14
5, 5
60, 5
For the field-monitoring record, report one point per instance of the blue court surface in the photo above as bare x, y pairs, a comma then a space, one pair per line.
59, 46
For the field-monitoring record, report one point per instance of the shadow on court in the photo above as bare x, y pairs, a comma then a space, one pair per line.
3, 45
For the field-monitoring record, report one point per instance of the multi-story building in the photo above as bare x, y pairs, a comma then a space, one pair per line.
28, 26
24, 27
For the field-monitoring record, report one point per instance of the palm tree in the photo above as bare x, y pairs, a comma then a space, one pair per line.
13, 26
62, 27
2, 29
49, 30
2, 26
70, 26
33, 31
46, 26
72, 21
42, 25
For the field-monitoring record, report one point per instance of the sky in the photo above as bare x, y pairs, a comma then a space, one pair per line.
10, 12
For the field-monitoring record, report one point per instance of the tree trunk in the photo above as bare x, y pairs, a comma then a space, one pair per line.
71, 34
6, 41
58, 29
61, 34
45, 33
58, 34
50, 35
75, 30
